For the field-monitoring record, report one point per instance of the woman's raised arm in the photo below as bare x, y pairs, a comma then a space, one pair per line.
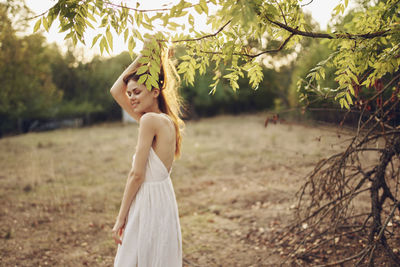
118, 90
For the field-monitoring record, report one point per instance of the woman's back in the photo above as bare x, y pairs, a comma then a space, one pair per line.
165, 141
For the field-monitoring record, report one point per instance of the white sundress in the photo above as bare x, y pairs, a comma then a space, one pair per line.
152, 235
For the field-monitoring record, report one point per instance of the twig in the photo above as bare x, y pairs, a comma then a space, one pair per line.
396, 205
283, 44
307, 3
283, 15
203, 37
344, 260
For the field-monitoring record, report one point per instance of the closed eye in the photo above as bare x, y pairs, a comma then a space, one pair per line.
136, 92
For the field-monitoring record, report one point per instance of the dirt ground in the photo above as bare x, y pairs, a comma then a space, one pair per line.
235, 184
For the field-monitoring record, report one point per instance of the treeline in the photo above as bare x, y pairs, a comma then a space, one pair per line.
39, 83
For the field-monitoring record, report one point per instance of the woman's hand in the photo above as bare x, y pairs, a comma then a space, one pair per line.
118, 90
117, 231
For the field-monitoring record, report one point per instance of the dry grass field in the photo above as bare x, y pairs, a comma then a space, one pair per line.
60, 191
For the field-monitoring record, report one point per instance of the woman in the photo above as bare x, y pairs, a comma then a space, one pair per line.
147, 229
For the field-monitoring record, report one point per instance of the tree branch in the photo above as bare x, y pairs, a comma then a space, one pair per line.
123, 7
283, 15
203, 37
329, 36
273, 50
346, 259
147, 10
283, 44
307, 3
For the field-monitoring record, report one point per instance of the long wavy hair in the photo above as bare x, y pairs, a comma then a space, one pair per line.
169, 99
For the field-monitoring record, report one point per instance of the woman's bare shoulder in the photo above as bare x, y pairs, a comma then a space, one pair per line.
153, 118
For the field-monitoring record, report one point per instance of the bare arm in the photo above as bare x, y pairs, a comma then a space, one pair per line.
118, 90
147, 131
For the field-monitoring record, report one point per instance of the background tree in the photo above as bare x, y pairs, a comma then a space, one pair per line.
365, 57
26, 87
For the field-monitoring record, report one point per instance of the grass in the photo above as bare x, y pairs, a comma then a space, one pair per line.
60, 191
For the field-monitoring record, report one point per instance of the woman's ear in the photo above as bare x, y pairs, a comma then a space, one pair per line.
155, 92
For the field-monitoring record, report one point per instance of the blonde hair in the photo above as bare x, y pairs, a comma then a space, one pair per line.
169, 99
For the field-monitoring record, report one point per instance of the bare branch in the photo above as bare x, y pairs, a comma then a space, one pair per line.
346, 259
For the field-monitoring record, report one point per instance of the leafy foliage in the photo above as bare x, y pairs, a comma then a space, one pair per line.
361, 62
369, 42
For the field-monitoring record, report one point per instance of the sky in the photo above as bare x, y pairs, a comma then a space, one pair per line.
320, 10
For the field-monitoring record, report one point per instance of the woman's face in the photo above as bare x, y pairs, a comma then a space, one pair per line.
141, 99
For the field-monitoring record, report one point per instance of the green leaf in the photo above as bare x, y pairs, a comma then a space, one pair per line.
74, 39
191, 19
155, 69
153, 81
90, 16
148, 84
147, 26
89, 24
348, 97
66, 27
182, 68
140, 18
104, 41
144, 60
109, 38
346, 104
198, 9
126, 34
186, 57
45, 24
37, 25
146, 52
131, 44
142, 79
351, 89
337, 9
101, 47
181, 14
95, 39
204, 6
142, 69
104, 22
